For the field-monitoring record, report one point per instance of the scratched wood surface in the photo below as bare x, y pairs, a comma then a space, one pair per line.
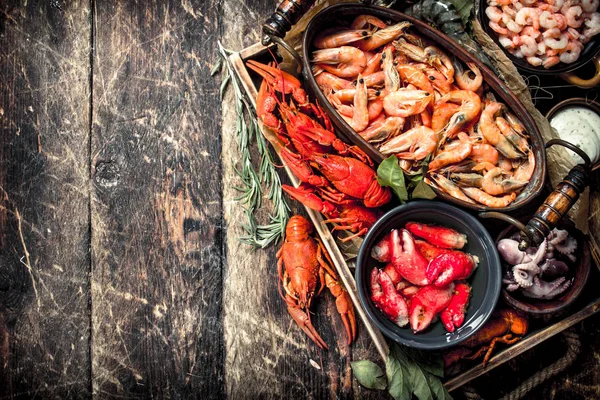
121, 275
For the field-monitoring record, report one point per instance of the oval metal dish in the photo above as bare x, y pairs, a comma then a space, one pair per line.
343, 13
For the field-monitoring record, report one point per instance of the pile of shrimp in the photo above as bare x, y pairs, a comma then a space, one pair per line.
408, 98
544, 32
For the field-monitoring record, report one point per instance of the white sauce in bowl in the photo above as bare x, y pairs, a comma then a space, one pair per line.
580, 126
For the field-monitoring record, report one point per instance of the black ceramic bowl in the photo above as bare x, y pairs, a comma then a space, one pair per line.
589, 51
485, 280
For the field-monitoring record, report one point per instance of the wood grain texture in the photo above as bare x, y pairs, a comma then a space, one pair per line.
44, 199
267, 354
156, 206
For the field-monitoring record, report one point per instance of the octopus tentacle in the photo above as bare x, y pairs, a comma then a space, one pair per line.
546, 290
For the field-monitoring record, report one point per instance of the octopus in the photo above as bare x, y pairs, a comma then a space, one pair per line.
537, 272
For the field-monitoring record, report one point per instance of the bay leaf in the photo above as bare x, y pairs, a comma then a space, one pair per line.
390, 174
423, 191
438, 390
369, 374
397, 378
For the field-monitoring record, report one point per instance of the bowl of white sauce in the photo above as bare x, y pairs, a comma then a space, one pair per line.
577, 121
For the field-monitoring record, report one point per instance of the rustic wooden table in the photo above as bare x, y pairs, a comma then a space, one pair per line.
121, 273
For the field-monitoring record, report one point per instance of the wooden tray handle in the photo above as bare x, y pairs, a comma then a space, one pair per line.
281, 21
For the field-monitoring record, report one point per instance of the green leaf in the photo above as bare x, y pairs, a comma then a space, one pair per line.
423, 191
428, 361
390, 174
368, 374
419, 382
463, 8
437, 388
397, 378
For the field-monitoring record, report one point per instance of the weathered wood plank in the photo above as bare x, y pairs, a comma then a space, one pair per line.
44, 199
268, 355
156, 206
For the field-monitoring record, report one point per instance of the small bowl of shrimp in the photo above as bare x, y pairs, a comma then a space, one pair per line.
546, 37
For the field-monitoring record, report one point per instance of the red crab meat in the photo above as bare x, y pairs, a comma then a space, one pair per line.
426, 304
409, 262
387, 299
438, 235
450, 266
454, 315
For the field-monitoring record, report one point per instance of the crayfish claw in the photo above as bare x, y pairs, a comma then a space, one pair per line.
343, 305
303, 321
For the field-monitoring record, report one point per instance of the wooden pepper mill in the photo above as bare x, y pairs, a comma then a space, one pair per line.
281, 21
559, 202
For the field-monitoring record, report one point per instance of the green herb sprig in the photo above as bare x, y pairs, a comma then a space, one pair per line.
408, 372
248, 133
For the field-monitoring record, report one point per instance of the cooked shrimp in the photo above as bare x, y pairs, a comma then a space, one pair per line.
392, 79
509, 10
412, 51
349, 60
492, 133
524, 171
589, 6
572, 51
515, 123
573, 34
453, 155
446, 185
547, 20
494, 184
555, 5
493, 13
488, 200
467, 179
346, 95
506, 42
438, 80
529, 46
328, 81
573, 14
380, 131
592, 26
470, 106
554, 39
531, 32
375, 108
441, 115
440, 61
528, 16
375, 79
412, 75
551, 61
340, 38
541, 48
373, 63
561, 21
364, 20
414, 144
468, 79
383, 36
483, 152
517, 140
511, 24
535, 61
406, 102
360, 116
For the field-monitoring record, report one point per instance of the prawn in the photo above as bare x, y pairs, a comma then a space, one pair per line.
572, 51
414, 144
446, 185
373, 63
412, 51
412, 75
554, 39
511, 24
453, 155
349, 61
439, 82
406, 102
440, 61
392, 79
492, 133
375, 79
572, 15
494, 186
467, 179
547, 20
468, 79
483, 152
493, 13
488, 200
328, 81
528, 16
360, 118
525, 170
365, 20
470, 106
340, 38
381, 130
517, 140
383, 36
551, 61
441, 115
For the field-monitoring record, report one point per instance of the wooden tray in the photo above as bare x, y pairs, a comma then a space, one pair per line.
260, 53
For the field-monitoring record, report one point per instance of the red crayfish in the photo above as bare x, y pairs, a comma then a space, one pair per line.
304, 269
337, 179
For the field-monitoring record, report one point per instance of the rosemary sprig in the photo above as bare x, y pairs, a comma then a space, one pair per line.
247, 134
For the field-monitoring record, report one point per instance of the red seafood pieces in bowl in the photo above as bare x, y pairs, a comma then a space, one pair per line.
428, 275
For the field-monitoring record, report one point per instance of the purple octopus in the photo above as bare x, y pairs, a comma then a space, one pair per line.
536, 271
